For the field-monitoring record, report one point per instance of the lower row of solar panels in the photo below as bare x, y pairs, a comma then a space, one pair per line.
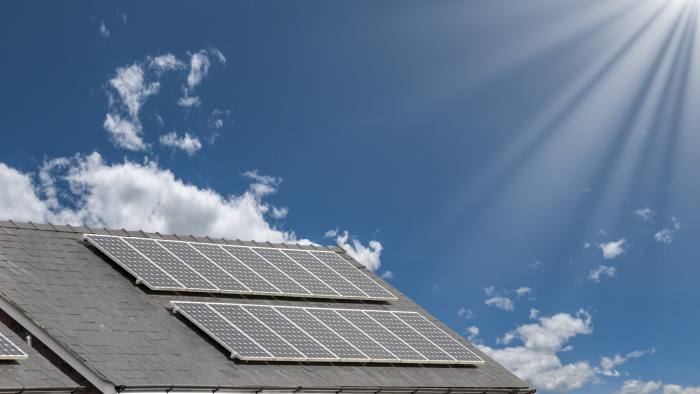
10, 351
281, 333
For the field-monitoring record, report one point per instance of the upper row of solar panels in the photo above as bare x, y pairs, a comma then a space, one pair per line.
217, 268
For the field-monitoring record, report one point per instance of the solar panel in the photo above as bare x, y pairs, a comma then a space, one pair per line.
134, 262
221, 330
311, 348
168, 262
341, 285
354, 275
214, 268
205, 267
287, 333
268, 271
10, 351
382, 335
254, 282
438, 336
296, 272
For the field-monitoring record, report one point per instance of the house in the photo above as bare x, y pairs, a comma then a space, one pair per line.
91, 322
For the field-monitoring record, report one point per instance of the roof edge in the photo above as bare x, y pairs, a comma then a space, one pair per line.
322, 390
67, 228
92, 376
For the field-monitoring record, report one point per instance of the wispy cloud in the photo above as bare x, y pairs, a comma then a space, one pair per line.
368, 255
608, 364
666, 235
645, 214
600, 272
187, 143
104, 32
472, 332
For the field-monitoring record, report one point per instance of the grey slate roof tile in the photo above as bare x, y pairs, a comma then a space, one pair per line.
131, 337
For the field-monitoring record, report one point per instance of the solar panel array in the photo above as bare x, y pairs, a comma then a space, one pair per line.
284, 333
10, 351
215, 268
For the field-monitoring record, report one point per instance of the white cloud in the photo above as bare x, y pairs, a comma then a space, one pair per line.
613, 249
646, 214
189, 101
638, 387
124, 133
388, 275
369, 256
166, 62
187, 143
199, 67
523, 291
279, 212
536, 359
472, 332
263, 184
676, 389
500, 302
608, 364
666, 235
603, 270
137, 196
103, 29
534, 313
18, 197
122, 123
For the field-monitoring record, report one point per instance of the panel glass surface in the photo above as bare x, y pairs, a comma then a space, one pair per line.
257, 331
352, 334
266, 270
162, 258
222, 331
323, 334
381, 335
325, 273
410, 336
10, 351
291, 333
354, 275
295, 271
235, 268
205, 267
438, 336
134, 262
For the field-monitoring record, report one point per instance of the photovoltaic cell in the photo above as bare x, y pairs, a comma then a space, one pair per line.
351, 273
162, 258
257, 331
352, 334
382, 335
266, 270
10, 351
325, 273
134, 262
437, 336
204, 266
235, 268
410, 336
290, 332
222, 331
286, 333
295, 271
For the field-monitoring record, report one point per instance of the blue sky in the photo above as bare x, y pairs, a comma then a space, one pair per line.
523, 170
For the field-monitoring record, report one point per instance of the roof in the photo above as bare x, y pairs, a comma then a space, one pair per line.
120, 334
35, 373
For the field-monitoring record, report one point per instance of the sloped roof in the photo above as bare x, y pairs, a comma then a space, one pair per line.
35, 373
126, 336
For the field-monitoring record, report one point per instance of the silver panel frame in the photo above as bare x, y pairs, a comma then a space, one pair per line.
17, 356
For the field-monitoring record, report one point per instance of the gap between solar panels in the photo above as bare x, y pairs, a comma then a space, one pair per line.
10, 351
183, 266
253, 332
